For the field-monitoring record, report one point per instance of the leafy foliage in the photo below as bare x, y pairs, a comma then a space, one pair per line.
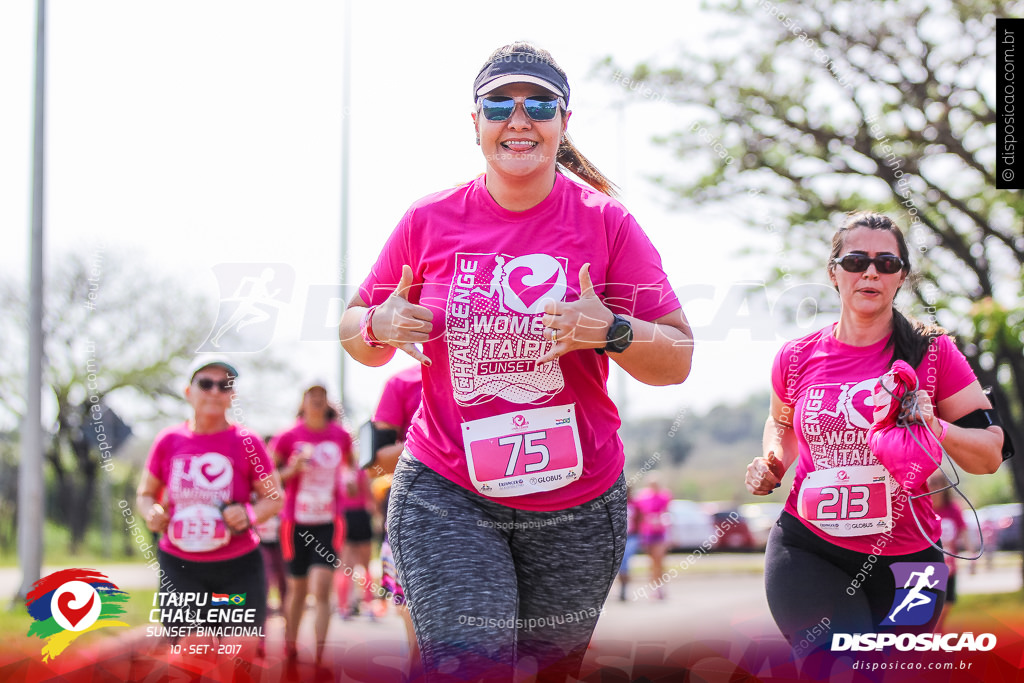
113, 329
804, 111
829, 107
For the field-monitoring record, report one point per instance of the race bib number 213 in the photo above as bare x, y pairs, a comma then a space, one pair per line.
847, 501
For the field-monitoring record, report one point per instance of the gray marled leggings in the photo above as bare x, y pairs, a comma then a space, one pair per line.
497, 593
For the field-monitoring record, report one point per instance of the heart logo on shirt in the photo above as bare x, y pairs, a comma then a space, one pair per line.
211, 471
532, 280
327, 454
856, 404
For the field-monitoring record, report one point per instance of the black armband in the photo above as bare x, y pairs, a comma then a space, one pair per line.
984, 418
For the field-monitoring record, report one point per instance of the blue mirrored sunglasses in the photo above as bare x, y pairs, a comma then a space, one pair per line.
538, 108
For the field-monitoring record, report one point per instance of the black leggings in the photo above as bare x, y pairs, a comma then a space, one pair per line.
814, 590
495, 591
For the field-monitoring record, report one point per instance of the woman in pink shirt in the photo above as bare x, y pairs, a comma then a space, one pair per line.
848, 519
206, 469
356, 506
311, 456
652, 504
507, 514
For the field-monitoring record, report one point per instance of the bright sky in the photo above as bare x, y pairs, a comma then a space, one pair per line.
208, 132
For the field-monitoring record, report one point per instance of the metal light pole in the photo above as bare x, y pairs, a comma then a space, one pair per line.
30, 470
345, 111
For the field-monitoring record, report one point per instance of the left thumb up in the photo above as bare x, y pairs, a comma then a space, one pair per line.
586, 286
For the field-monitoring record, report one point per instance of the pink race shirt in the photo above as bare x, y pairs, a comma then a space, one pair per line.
829, 385
401, 399
652, 506
312, 496
199, 472
485, 272
354, 484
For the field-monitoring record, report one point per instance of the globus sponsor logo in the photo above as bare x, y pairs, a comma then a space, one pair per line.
919, 642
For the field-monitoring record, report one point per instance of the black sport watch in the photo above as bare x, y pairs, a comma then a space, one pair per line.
620, 335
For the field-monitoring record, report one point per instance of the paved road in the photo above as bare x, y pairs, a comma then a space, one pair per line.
1004, 576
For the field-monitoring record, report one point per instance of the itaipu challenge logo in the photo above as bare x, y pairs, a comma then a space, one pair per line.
71, 602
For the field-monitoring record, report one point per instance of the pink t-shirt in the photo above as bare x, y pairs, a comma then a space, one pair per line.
400, 400
354, 484
484, 272
652, 506
953, 528
200, 471
312, 496
830, 385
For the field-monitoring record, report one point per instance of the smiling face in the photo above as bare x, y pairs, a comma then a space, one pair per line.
868, 294
519, 147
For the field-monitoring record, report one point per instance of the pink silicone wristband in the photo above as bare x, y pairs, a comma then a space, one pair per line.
251, 512
945, 428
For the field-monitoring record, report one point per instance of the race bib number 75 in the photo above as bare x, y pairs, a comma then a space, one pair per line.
523, 452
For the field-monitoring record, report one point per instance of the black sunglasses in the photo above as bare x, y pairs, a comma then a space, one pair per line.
887, 264
538, 107
207, 384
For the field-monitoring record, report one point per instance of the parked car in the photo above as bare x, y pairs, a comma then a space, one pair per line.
761, 517
735, 532
689, 525
1000, 524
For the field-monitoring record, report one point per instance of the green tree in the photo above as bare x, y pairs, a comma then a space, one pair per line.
113, 328
803, 111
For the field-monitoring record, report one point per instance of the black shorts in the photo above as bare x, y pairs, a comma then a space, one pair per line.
313, 544
241, 579
357, 526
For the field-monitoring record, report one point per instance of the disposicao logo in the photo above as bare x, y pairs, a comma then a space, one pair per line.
917, 587
71, 602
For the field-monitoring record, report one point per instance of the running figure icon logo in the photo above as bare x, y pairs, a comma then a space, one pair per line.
252, 295
918, 585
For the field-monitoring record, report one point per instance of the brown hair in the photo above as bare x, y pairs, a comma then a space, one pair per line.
910, 338
330, 412
568, 157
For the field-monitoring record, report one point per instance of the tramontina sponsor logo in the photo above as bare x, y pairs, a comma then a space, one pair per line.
918, 642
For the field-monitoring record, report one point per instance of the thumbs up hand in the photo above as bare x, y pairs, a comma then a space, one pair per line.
580, 324
403, 324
